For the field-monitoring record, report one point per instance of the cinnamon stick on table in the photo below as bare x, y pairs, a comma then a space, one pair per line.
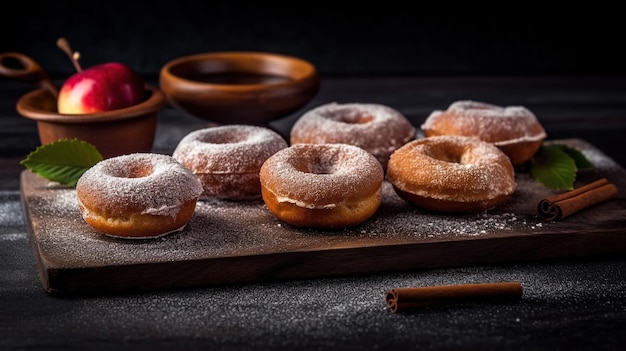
401, 299
563, 205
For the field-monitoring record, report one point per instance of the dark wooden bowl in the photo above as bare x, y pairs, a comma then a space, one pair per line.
239, 87
113, 133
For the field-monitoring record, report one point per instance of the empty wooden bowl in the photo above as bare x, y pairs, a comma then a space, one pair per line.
239, 87
113, 133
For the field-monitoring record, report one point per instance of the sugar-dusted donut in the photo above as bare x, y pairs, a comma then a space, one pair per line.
227, 159
142, 195
451, 173
376, 128
514, 129
322, 185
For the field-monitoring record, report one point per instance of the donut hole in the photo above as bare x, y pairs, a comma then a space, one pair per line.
357, 119
316, 165
225, 138
351, 117
138, 170
321, 169
452, 153
446, 154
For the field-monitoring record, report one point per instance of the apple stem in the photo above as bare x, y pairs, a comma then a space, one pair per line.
64, 45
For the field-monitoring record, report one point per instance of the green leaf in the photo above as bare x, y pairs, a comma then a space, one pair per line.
582, 163
62, 161
553, 167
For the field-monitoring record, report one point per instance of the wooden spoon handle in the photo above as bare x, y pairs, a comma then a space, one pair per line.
21, 67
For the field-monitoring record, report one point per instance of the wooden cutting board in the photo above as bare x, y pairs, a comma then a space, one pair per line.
239, 242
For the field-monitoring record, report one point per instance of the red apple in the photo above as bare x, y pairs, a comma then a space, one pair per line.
103, 87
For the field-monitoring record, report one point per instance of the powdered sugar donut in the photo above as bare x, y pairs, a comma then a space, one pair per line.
451, 173
138, 195
514, 129
377, 128
322, 185
227, 159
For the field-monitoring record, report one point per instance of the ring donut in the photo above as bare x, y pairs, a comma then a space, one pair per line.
322, 185
377, 128
138, 195
451, 173
514, 129
227, 159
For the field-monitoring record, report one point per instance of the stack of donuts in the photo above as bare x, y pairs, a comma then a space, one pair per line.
329, 175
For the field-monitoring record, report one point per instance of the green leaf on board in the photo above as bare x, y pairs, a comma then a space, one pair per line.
62, 161
582, 163
556, 166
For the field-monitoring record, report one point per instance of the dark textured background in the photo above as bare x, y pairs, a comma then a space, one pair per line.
381, 38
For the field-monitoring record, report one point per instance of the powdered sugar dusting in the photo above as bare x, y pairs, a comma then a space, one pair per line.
222, 228
229, 149
598, 159
227, 229
321, 175
144, 183
452, 168
491, 123
378, 129
227, 159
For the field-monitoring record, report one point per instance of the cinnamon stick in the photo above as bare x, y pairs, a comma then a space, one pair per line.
401, 299
563, 205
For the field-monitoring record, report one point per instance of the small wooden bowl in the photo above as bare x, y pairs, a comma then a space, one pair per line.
239, 87
113, 133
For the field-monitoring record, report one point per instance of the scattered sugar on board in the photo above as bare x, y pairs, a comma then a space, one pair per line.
226, 228
221, 228
416, 223
599, 160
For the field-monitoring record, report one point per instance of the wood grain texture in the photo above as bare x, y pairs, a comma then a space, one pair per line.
238, 242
